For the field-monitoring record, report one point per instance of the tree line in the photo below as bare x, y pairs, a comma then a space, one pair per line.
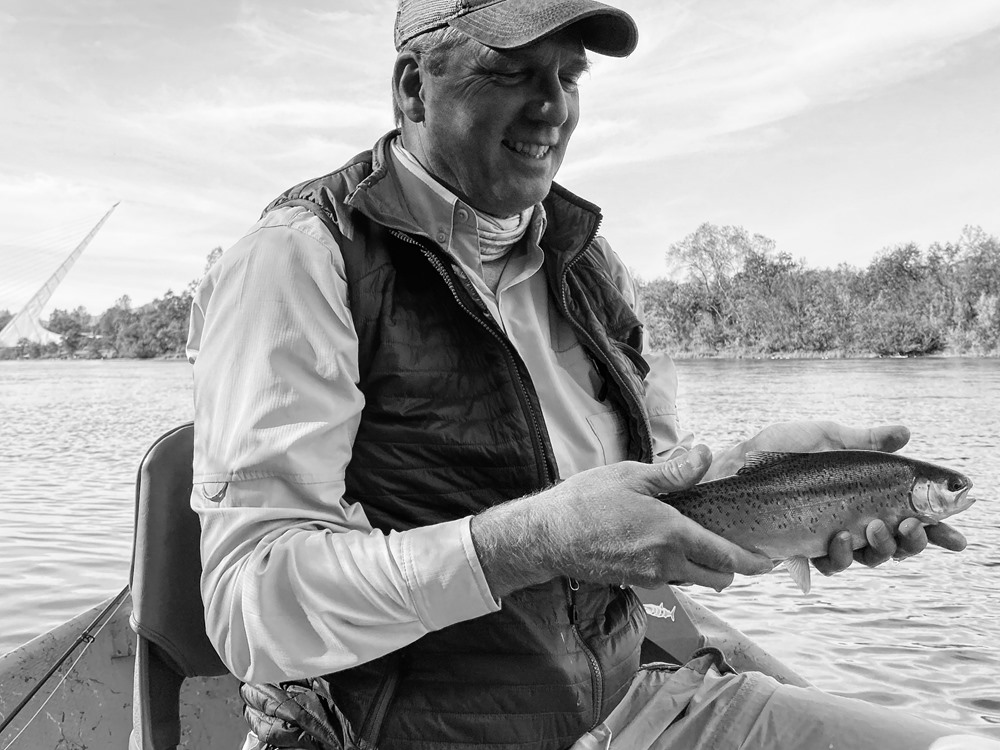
736, 296
156, 329
732, 294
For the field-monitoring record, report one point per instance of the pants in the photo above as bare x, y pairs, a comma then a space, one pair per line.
696, 707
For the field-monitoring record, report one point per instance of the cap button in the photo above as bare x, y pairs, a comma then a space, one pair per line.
442, 236
463, 215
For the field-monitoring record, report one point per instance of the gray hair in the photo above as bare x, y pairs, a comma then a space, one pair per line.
434, 47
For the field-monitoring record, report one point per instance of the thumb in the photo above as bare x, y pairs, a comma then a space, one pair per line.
679, 473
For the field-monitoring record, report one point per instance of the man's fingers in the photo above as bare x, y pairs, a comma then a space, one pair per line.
886, 438
712, 552
707, 577
943, 535
910, 539
881, 545
890, 438
839, 556
678, 473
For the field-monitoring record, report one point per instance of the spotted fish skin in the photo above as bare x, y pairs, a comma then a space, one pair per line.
790, 505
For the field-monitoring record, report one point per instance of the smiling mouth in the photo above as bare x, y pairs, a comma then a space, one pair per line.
531, 150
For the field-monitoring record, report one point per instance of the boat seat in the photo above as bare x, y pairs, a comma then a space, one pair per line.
167, 612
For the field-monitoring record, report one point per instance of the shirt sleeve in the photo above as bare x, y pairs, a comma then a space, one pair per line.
669, 438
296, 582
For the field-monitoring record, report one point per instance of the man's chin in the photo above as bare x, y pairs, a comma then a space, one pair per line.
517, 201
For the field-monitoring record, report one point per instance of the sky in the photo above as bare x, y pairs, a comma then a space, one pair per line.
837, 128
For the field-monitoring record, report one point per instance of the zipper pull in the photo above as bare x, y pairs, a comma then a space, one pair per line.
574, 586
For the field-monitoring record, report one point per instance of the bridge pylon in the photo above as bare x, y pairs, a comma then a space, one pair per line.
27, 323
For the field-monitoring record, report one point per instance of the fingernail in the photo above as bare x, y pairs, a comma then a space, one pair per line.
695, 459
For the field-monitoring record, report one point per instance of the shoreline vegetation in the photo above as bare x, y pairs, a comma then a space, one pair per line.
733, 296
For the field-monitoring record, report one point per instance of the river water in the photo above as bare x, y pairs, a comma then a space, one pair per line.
923, 634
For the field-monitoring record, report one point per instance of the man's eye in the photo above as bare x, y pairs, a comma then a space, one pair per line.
509, 75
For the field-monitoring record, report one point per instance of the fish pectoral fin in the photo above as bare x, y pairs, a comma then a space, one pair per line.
798, 569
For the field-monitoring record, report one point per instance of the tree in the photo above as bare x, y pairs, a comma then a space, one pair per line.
712, 255
74, 327
111, 327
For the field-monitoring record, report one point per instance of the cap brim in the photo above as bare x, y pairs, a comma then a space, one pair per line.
517, 23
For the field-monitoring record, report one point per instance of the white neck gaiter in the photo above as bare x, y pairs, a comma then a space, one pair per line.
497, 236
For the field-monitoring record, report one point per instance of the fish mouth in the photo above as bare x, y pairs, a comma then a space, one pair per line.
962, 499
961, 485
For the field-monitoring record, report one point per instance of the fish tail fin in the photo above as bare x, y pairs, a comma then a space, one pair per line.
798, 569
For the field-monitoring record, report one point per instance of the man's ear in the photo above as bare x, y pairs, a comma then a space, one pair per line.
407, 82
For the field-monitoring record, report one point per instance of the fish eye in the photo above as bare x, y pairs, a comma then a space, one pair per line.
955, 484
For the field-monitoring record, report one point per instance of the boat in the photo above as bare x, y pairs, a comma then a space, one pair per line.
138, 671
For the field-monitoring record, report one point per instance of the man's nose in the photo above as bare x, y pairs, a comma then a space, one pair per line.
552, 101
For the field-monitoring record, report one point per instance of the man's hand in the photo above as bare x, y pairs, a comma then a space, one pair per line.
809, 437
806, 437
606, 525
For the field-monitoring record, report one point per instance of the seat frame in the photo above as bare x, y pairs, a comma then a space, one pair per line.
167, 612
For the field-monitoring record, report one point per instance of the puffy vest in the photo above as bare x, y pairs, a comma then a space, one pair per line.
451, 426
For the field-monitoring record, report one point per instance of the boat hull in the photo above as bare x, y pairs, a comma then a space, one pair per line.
92, 706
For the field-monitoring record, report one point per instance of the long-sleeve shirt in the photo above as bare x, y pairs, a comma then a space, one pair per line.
296, 582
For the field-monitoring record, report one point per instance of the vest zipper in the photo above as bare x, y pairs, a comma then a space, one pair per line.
597, 354
596, 676
599, 358
436, 262
371, 727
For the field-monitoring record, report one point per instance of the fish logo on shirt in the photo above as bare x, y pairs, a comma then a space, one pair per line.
658, 610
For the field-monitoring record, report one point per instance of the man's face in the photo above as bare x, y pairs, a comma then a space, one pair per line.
497, 123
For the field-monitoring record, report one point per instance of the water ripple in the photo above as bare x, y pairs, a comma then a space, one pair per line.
923, 634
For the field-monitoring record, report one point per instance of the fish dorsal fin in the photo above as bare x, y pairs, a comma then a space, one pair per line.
798, 569
755, 460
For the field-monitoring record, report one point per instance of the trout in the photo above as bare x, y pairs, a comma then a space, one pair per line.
789, 506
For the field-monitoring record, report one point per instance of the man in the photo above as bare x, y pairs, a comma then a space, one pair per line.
400, 347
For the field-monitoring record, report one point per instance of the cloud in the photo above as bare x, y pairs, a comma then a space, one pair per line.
341, 37
706, 76
253, 112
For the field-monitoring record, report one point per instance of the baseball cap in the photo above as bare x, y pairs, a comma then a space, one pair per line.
509, 24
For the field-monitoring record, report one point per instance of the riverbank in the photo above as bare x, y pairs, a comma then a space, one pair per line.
747, 354
11, 353
759, 356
